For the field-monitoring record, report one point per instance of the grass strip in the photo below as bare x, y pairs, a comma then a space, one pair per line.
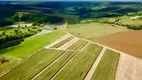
107, 67
33, 65
78, 45
51, 71
78, 68
62, 42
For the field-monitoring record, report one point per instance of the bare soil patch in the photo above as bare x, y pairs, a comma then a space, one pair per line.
129, 42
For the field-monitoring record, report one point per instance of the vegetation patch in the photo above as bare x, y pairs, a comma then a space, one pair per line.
107, 67
78, 68
52, 70
32, 44
15, 36
62, 42
78, 45
32, 65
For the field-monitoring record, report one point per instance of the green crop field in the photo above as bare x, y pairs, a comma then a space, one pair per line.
33, 65
94, 30
107, 67
62, 42
32, 44
80, 65
52, 70
11, 63
78, 45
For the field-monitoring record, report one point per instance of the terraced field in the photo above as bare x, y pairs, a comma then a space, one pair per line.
107, 67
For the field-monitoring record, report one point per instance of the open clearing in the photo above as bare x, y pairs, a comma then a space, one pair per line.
32, 65
107, 67
32, 44
80, 65
129, 42
92, 31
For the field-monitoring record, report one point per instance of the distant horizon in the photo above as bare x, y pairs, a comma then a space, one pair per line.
82, 0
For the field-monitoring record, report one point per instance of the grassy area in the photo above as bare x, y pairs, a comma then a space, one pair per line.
78, 45
52, 70
94, 30
62, 42
125, 20
11, 63
107, 67
80, 65
32, 44
33, 65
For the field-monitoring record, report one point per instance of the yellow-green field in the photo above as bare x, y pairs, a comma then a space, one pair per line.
107, 67
78, 45
32, 65
80, 65
94, 30
10, 63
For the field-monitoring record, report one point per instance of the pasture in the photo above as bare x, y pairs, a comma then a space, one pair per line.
94, 30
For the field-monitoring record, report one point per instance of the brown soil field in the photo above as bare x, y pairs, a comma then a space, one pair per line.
128, 42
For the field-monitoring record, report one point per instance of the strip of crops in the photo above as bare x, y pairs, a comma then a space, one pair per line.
78, 68
52, 70
107, 67
78, 45
7, 63
62, 42
32, 65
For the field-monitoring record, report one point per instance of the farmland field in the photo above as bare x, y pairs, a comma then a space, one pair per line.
94, 30
78, 45
129, 42
80, 65
52, 70
107, 67
62, 42
32, 44
32, 65
12, 62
